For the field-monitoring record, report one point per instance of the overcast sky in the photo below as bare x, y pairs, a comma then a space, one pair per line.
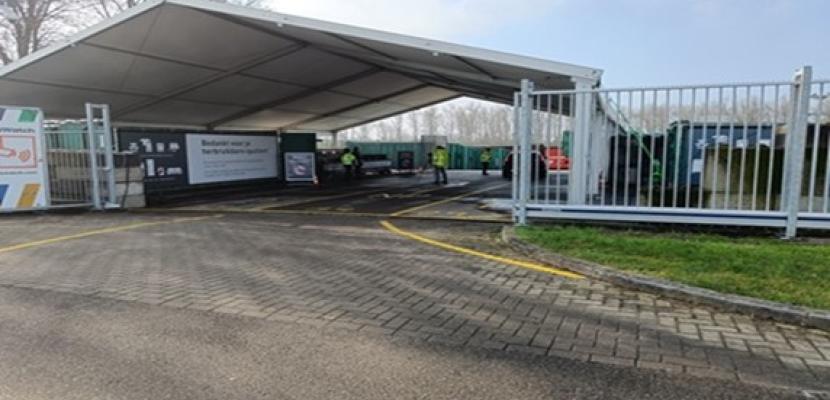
636, 42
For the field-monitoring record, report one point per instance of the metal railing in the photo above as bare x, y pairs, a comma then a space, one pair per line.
737, 153
80, 161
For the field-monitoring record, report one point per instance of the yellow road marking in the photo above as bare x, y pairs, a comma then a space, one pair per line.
451, 199
82, 235
319, 212
504, 260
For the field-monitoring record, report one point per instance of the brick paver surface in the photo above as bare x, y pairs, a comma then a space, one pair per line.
349, 274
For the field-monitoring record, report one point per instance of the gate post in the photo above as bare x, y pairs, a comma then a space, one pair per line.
109, 163
525, 132
579, 144
514, 176
795, 147
93, 158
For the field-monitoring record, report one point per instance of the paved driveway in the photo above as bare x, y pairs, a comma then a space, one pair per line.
337, 283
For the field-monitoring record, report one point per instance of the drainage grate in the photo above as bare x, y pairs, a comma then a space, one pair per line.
815, 395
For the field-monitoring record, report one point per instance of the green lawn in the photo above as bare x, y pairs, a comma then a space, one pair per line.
795, 273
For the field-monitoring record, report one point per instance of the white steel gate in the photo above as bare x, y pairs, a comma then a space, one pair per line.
80, 161
751, 154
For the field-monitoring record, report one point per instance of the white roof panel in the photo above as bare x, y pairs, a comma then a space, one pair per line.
205, 63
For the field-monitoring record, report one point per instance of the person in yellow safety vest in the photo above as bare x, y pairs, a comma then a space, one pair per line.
440, 161
348, 159
486, 157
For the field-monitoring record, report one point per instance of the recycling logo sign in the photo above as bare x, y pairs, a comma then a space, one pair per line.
23, 182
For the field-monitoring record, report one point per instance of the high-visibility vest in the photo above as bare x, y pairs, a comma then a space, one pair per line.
486, 156
440, 158
347, 159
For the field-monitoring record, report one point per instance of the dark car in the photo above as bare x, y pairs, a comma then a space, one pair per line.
539, 165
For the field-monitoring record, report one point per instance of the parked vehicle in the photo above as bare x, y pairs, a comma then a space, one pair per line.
557, 159
376, 164
539, 165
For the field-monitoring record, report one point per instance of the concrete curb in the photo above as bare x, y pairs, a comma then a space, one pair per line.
780, 312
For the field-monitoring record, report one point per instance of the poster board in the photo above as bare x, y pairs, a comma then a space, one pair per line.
163, 157
23, 171
300, 167
177, 159
229, 158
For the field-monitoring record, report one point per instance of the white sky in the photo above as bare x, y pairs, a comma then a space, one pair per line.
439, 19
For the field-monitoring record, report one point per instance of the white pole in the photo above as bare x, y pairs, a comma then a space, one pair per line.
93, 158
794, 154
525, 132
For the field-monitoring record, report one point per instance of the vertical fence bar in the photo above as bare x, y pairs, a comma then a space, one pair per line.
730, 148
678, 134
704, 148
715, 187
617, 135
627, 168
664, 128
549, 137
819, 122
514, 167
652, 150
690, 151
814, 158
744, 145
525, 132
640, 146
759, 130
561, 128
770, 169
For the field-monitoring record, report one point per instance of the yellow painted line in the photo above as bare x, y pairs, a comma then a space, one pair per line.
504, 260
318, 212
82, 235
451, 199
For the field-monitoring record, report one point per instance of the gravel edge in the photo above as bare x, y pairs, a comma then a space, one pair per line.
807, 317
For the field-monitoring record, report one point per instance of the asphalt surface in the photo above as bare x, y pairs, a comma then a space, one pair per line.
63, 346
331, 306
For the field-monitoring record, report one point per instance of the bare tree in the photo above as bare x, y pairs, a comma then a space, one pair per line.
109, 8
36, 24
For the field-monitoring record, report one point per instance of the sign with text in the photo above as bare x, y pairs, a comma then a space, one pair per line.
23, 183
226, 158
163, 156
299, 167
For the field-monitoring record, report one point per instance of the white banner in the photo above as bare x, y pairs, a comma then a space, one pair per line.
23, 184
227, 158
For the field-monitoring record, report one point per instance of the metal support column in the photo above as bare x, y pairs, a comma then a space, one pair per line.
106, 144
580, 151
514, 168
795, 147
109, 162
526, 153
93, 158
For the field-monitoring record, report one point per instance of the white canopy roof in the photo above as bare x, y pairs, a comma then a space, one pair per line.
214, 65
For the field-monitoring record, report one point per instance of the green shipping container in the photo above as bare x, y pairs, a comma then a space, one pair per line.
461, 156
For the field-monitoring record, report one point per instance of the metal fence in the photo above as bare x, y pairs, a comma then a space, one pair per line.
735, 154
80, 161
